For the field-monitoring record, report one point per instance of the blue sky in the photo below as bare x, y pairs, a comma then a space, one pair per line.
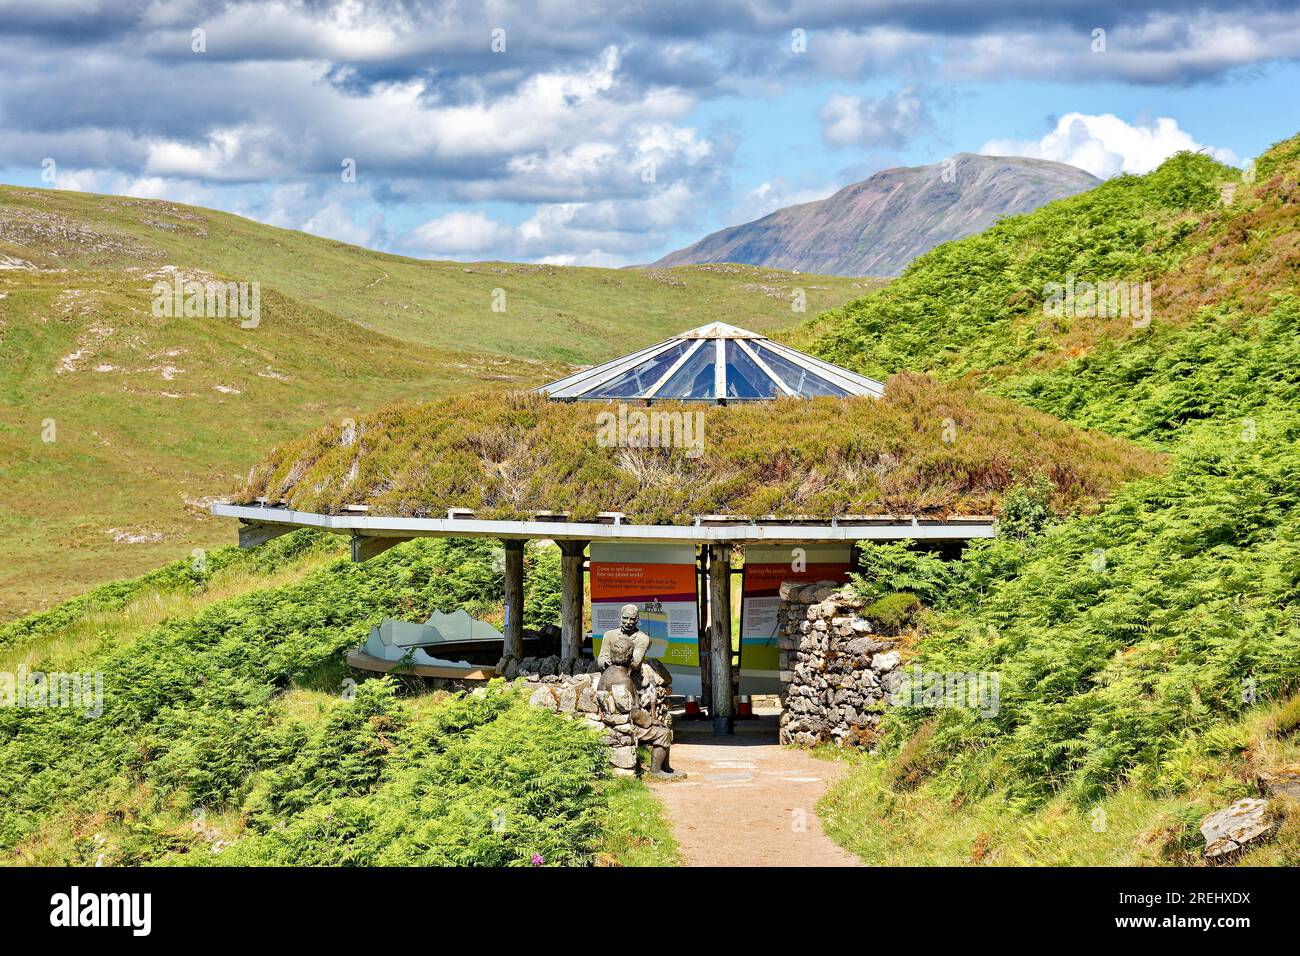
608, 133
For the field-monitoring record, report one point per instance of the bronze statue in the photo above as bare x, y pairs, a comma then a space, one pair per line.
622, 657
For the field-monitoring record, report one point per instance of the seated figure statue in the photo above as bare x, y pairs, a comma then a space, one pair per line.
622, 653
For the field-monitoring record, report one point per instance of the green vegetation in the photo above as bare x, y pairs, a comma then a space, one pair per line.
229, 735
1141, 608
552, 313
1148, 653
976, 305
508, 456
118, 427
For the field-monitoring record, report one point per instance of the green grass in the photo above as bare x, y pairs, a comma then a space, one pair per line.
635, 830
930, 825
553, 313
152, 417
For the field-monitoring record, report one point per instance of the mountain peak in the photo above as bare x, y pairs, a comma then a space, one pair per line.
879, 225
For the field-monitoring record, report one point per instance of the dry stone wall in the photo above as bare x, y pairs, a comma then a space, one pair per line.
836, 672
621, 718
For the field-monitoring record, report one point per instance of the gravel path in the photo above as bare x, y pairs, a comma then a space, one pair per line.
748, 801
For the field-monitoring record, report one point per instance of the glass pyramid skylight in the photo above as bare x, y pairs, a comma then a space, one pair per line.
714, 363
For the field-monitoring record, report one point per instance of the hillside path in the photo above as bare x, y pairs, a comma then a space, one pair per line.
747, 801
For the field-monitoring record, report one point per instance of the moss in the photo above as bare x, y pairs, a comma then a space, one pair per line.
893, 611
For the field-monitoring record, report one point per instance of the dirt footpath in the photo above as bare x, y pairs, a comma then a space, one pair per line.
748, 801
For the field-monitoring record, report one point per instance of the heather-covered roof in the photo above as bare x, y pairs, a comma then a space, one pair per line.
925, 448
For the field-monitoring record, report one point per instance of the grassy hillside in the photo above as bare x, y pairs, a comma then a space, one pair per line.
507, 457
1149, 654
230, 735
153, 416
553, 313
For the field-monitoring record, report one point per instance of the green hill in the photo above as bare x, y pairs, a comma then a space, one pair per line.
117, 425
1150, 653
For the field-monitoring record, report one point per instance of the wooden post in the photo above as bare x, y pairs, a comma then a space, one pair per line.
514, 629
702, 595
721, 706
571, 602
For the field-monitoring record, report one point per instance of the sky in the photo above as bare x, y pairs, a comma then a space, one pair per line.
585, 132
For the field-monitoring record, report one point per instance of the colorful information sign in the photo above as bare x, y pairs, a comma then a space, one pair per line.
766, 566
660, 580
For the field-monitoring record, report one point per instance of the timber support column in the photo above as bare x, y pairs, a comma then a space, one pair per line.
514, 629
721, 706
571, 599
702, 596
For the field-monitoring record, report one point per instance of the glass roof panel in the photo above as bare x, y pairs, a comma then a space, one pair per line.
694, 379
639, 378
744, 378
689, 365
803, 382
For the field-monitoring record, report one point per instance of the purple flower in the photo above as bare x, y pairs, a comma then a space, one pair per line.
538, 860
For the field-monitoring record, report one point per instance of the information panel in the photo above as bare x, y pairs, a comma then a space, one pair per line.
660, 580
766, 566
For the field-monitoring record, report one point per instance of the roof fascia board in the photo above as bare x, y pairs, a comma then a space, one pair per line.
397, 527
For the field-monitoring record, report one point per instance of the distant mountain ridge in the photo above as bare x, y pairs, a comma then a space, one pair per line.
876, 227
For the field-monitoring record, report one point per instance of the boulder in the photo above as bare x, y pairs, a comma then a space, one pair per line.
1245, 822
1283, 783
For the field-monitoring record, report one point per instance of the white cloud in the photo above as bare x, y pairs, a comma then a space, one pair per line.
1106, 145
885, 122
321, 212
80, 180
459, 234
774, 194
607, 233
172, 190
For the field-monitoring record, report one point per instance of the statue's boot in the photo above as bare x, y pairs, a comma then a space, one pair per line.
659, 768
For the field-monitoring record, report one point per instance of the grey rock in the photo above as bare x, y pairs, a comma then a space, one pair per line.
543, 697
886, 662
1229, 830
1283, 783
623, 757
